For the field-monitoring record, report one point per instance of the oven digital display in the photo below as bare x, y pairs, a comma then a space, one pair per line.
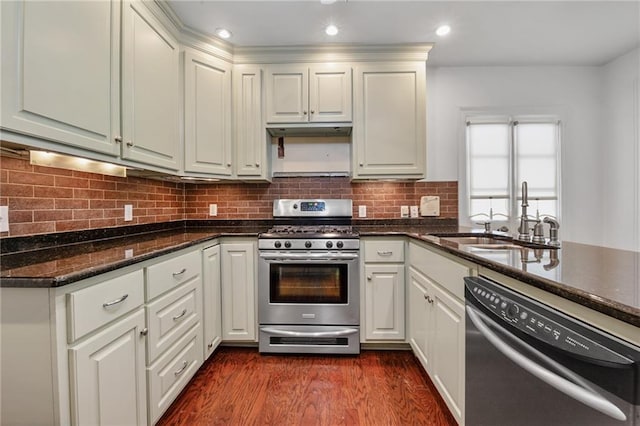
312, 206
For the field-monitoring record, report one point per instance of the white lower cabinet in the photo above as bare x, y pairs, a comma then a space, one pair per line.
212, 310
107, 375
436, 321
383, 289
238, 291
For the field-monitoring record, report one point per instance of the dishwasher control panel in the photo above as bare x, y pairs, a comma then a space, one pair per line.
538, 321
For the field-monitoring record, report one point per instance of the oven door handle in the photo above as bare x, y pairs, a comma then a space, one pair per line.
579, 393
290, 333
283, 257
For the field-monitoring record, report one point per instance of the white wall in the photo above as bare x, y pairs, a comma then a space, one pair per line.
620, 153
575, 92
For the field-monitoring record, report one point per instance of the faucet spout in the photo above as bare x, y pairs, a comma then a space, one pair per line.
523, 229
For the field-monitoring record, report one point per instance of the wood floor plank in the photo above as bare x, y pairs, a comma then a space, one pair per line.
239, 386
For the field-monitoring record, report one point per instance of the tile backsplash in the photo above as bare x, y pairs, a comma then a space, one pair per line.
45, 199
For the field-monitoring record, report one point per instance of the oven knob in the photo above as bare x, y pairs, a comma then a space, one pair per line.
287, 244
307, 244
339, 244
329, 244
277, 244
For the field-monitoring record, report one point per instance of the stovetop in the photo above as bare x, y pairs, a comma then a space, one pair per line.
310, 231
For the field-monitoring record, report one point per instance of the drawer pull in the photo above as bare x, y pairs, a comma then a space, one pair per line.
175, 274
385, 253
183, 313
115, 302
181, 370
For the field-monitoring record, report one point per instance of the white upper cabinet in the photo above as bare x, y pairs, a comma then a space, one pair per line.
60, 72
250, 136
150, 107
389, 133
207, 114
301, 93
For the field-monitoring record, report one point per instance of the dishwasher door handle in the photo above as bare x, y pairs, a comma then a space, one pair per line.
585, 396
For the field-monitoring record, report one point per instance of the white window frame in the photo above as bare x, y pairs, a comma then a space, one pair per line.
505, 115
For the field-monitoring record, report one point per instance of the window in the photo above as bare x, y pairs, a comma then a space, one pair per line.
503, 152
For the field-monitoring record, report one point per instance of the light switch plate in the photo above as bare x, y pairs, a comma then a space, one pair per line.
404, 211
362, 211
128, 212
4, 218
413, 211
213, 210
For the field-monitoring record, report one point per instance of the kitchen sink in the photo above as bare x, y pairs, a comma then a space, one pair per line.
483, 241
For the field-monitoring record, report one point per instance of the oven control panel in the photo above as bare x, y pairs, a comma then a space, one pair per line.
537, 320
311, 244
311, 206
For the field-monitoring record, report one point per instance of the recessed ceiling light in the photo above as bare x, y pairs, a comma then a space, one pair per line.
223, 33
331, 30
443, 30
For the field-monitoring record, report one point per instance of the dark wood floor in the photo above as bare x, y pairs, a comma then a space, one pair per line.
238, 386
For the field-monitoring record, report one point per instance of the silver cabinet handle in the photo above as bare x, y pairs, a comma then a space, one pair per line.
115, 302
228, 164
175, 274
129, 143
118, 139
183, 313
313, 112
304, 112
144, 331
385, 253
257, 164
369, 277
181, 370
428, 298
210, 345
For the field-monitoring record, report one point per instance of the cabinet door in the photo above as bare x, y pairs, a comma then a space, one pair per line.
330, 93
207, 115
287, 94
384, 302
389, 134
250, 136
419, 318
238, 292
150, 105
107, 376
60, 72
448, 348
212, 300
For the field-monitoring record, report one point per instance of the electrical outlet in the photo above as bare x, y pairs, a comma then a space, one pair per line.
128, 212
404, 211
362, 211
213, 210
413, 211
4, 218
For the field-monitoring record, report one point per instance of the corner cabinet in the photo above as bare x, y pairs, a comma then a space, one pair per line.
315, 93
150, 107
389, 132
207, 115
61, 72
436, 321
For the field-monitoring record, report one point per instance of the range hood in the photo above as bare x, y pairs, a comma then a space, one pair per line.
322, 129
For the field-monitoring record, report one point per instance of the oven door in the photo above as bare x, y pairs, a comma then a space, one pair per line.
308, 288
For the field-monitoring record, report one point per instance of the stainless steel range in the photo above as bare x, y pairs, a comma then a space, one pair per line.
308, 282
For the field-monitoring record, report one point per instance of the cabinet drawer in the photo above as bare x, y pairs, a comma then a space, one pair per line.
169, 274
171, 315
383, 251
95, 306
169, 375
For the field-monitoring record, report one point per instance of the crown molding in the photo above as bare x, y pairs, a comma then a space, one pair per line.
192, 38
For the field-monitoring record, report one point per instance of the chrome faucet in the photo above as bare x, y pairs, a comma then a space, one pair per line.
523, 229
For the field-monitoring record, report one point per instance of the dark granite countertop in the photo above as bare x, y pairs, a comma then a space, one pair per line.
606, 280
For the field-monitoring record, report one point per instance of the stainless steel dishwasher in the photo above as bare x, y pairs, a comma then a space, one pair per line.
529, 364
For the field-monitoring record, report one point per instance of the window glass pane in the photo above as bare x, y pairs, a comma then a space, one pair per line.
488, 140
536, 158
536, 139
540, 174
488, 176
488, 157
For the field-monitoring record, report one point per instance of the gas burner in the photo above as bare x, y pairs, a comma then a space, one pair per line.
311, 230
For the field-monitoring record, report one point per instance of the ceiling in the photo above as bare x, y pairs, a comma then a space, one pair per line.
483, 32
